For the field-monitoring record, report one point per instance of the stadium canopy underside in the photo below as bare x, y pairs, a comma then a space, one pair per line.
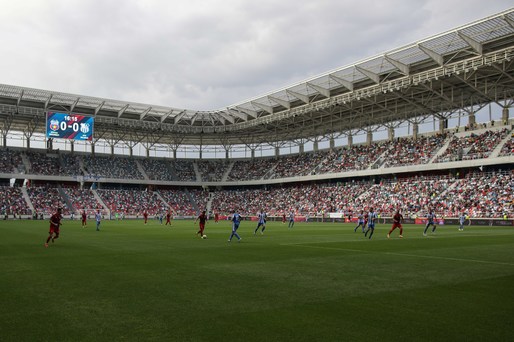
460, 70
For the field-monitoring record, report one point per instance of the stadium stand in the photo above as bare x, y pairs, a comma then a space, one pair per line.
252, 169
71, 164
11, 161
111, 167
46, 199
82, 199
409, 151
357, 157
183, 170
179, 202
212, 170
12, 202
508, 148
472, 146
485, 194
45, 164
297, 165
157, 169
132, 202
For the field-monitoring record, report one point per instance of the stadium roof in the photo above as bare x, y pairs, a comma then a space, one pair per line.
462, 69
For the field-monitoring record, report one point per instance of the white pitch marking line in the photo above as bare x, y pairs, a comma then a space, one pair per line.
402, 254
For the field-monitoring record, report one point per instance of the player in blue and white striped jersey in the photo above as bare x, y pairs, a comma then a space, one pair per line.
360, 221
236, 219
261, 217
462, 219
430, 222
372, 217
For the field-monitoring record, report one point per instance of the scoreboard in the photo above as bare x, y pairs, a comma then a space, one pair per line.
69, 126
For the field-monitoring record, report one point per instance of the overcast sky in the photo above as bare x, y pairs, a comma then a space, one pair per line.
206, 55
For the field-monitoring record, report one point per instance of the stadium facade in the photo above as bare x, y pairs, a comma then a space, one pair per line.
441, 82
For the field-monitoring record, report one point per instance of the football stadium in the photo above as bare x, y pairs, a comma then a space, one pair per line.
302, 189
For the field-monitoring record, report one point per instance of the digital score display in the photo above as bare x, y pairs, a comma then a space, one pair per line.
69, 126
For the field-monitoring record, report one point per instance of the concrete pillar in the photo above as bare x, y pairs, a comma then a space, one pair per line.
201, 152
443, 125
174, 154
472, 120
147, 152
332, 143
302, 148
227, 154
315, 146
415, 130
72, 146
253, 153
390, 132
350, 140
112, 150
277, 152
93, 148
4, 140
131, 151
369, 138
28, 141
505, 115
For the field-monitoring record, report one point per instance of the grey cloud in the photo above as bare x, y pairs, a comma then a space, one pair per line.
207, 55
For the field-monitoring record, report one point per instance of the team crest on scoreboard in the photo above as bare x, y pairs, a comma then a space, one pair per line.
84, 128
54, 125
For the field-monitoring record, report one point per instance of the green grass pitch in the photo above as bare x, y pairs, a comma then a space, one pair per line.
315, 282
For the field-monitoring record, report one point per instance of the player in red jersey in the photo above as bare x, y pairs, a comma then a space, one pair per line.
84, 217
216, 217
145, 215
397, 223
203, 219
284, 218
168, 218
55, 223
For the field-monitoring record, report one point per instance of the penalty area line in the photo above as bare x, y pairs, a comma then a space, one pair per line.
402, 254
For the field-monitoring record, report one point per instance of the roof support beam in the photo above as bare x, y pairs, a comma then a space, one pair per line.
471, 42
323, 91
371, 75
20, 97
283, 103
238, 114
226, 117
404, 68
301, 97
347, 84
264, 107
214, 118
72, 107
250, 112
432, 54
48, 100
179, 117
144, 113
421, 107
97, 109
194, 117
508, 20
440, 94
166, 115
472, 86
503, 72
122, 110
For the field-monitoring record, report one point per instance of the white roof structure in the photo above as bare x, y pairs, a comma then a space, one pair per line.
462, 69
